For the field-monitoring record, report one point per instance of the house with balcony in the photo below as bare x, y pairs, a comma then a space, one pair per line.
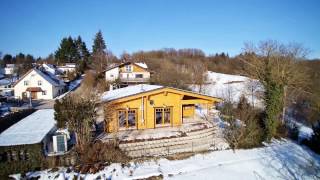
127, 74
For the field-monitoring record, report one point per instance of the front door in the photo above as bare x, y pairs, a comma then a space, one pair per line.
33, 95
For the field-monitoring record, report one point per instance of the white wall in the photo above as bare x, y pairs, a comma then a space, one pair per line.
112, 74
33, 77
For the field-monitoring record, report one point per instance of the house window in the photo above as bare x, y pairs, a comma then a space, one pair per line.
39, 83
122, 118
44, 92
111, 75
159, 115
60, 143
163, 115
139, 75
128, 68
127, 118
26, 83
131, 118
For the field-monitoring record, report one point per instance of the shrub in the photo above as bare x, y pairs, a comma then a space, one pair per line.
104, 152
31, 159
247, 132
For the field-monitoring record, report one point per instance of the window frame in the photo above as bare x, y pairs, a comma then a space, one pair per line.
126, 123
163, 110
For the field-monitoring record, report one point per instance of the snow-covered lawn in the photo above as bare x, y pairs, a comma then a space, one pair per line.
231, 87
278, 160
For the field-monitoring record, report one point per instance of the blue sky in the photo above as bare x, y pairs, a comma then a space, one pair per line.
37, 26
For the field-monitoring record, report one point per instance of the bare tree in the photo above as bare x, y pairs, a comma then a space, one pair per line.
198, 72
275, 65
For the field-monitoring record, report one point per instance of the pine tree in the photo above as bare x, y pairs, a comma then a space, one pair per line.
99, 45
83, 55
99, 56
67, 52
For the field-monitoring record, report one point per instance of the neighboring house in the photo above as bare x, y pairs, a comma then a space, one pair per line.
151, 106
32, 138
128, 73
68, 67
50, 68
38, 85
10, 69
6, 87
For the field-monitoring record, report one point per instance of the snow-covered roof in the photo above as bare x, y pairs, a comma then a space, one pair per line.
5, 82
142, 64
128, 91
30, 130
51, 78
49, 66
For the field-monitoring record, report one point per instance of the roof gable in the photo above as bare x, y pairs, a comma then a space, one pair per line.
50, 78
139, 64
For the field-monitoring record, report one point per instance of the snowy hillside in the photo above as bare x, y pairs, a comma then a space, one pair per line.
278, 160
231, 87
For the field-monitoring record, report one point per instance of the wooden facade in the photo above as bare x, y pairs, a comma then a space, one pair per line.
157, 108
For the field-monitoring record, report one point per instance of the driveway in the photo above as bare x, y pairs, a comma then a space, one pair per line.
42, 104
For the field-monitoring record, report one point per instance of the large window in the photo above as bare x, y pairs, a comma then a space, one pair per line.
127, 118
163, 115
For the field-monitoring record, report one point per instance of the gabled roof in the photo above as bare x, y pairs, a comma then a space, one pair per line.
145, 88
140, 64
51, 78
30, 130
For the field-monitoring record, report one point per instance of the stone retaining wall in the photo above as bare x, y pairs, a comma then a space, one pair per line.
196, 141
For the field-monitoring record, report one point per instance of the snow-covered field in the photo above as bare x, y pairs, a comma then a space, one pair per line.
278, 160
231, 87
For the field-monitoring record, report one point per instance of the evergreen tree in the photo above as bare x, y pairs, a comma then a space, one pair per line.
67, 52
7, 59
83, 54
99, 45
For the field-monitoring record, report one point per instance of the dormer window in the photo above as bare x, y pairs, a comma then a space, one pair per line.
128, 68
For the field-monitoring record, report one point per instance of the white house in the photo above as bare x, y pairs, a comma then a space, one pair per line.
128, 73
6, 88
38, 85
10, 69
68, 67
